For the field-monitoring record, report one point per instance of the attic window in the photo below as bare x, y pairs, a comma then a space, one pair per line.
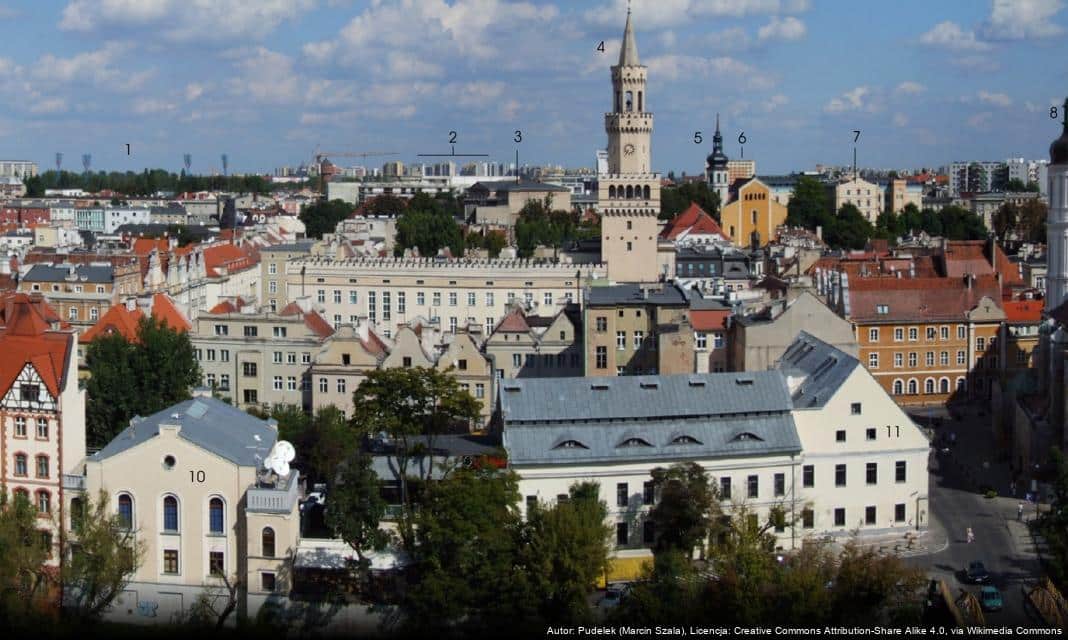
743, 381
570, 444
649, 384
635, 442
882, 309
511, 387
746, 436
599, 386
685, 440
697, 382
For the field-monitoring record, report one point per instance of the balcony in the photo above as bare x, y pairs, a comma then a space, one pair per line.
279, 499
72, 482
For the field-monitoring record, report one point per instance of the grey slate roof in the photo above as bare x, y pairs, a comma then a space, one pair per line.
559, 400
666, 294
502, 186
818, 367
304, 245
652, 440
208, 423
59, 273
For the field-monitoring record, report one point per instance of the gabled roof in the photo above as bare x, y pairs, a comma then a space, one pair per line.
118, 319
167, 312
693, 221
27, 339
210, 424
1023, 311
918, 299
814, 370
514, 322
232, 306
312, 320
709, 319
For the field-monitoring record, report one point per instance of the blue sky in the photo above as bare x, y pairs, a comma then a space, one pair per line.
266, 81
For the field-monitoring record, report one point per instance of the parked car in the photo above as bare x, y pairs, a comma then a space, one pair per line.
990, 598
613, 595
977, 573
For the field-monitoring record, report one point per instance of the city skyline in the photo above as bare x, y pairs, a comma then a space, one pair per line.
268, 84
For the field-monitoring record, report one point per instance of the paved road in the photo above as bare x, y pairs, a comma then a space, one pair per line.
1001, 542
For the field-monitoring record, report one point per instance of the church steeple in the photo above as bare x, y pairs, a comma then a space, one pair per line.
628, 53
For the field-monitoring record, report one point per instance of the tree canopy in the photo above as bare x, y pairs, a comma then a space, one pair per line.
429, 224
146, 183
540, 224
675, 200
322, 216
142, 377
688, 506
22, 556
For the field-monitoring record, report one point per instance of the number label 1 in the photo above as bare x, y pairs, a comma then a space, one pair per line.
127, 148
197, 476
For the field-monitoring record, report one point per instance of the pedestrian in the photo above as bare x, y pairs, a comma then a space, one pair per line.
970, 535
1019, 511
1012, 488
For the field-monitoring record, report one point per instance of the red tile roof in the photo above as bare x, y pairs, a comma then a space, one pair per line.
229, 306
709, 319
167, 312
1023, 311
230, 256
918, 299
118, 319
318, 325
693, 220
514, 322
142, 247
27, 339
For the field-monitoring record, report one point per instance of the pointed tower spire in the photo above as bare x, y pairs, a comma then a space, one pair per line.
717, 123
628, 53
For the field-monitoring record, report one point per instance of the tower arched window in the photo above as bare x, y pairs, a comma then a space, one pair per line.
267, 541
629, 100
612, 191
170, 514
126, 510
216, 516
630, 191
641, 106
619, 103
645, 191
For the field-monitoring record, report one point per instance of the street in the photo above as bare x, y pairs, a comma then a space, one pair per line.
1002, 542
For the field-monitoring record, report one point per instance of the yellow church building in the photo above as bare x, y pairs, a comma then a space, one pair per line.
752, 211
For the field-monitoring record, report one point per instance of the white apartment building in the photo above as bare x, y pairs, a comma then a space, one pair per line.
864, 195
816, 435
390, 291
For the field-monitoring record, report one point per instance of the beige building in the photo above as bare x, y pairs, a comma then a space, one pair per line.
81, 294
189, 481
740, 170
274, 291
342, 364
259, 359
753, 215
499, 203
532, 346
899, 195
758, 340
455, 293
464, 360
636, 330
628, 196
860, 193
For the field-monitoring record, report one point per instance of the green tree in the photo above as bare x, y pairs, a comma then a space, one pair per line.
670, 588
103, 554
931, 221
138, 378
35, 187
322, 217
1032, 221
426, 225
541, 225
215, 602
412, 406
327, 440
850, 230
1005, 219
911, 219
687, 508
22, 556
809, 206
567, 551
387, 204
469, 574
357, 508
961, 224
675, 200
1054, 523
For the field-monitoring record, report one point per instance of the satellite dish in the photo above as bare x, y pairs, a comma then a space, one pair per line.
281, 454
284, 450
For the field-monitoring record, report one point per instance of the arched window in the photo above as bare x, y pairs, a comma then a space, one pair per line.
628, 99
641, 105
943, 385
268, 542
126, 510
215, 515
44, 501
645, 191
619, 102
170, 514
754, 216
961, 384
914, 387
630, 191
929, 385
42, 466
899, 387
20, 464
612, 191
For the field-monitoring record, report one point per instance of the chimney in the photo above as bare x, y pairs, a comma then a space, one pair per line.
819, 232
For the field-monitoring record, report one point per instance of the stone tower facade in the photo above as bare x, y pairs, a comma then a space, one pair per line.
1057, 221
628, 196
716, 173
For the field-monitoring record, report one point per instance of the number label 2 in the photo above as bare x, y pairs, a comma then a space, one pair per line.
452, 137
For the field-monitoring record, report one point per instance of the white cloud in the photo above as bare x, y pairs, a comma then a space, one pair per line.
193, 90
732, 39
185, 20
676, 67
950, 35
856, 99
149, 106
668, 39
995, 99
472, 94
97, 67
980, 120
774, 102
49, 105
909, 88
661, 14
977, 63
789, 28
1022, 19
900, 119
264, 76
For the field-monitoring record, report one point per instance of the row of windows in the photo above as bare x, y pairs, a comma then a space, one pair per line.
808, 521
545, 360
630, 191
24, 425
930, 385
43, 500
209, 355
250, 331
22, 468
171, 513
77, 288
453, 298
913, 358
933, 333
702, 340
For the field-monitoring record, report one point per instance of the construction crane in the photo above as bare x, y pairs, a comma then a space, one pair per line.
322, 157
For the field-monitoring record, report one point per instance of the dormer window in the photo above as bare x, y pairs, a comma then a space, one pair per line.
685, 440
634, 442
570, 444
747, 436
